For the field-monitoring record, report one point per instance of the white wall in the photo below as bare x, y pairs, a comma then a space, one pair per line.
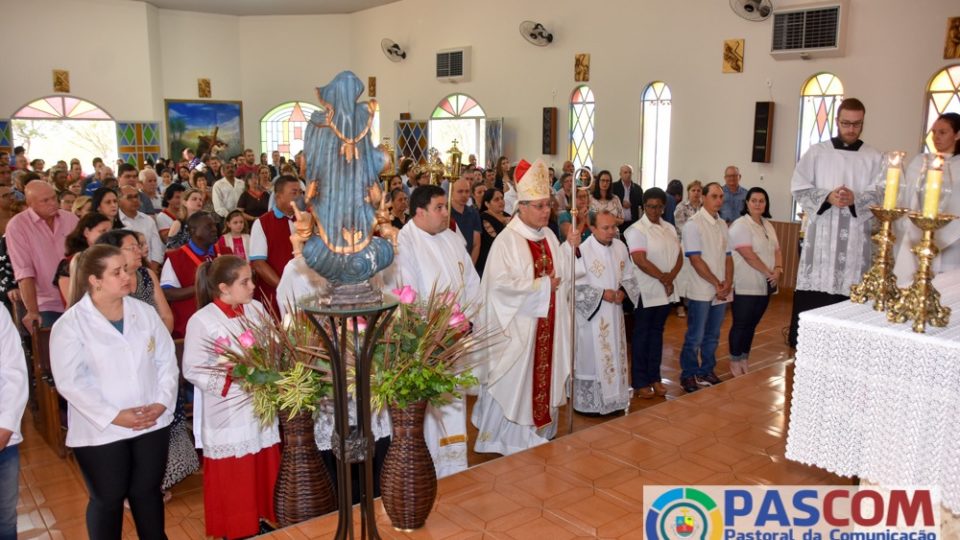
127, 57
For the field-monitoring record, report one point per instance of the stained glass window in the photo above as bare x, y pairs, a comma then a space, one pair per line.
819, 99
458, 117
655, 111
943, 96
283, 128
65, 127
582, 106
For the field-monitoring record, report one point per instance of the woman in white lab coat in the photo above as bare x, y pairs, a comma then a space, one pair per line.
241, 457
113, 361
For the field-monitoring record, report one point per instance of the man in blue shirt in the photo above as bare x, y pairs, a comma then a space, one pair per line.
734, 195
465, 219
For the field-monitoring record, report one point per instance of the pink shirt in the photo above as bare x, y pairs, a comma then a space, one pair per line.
35, 251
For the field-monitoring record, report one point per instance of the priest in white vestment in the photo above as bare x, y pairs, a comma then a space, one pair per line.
605, 277
430, 256
526, 288
835, 182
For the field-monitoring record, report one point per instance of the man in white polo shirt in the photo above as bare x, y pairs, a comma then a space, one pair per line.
707, 284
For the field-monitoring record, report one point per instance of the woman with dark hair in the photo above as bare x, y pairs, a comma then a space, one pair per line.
493, 219
946, 141
106, 201
88, 229
143, 280
602, 197
565, 219
179, 234
655, 249
757, 269
503, 165
114, 363
255, 201
172, 201
399, 203
241, 455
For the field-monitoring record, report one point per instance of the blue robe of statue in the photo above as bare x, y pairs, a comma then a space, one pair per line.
345, 165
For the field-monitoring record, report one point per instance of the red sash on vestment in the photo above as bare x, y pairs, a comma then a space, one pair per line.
543, 342
279, 252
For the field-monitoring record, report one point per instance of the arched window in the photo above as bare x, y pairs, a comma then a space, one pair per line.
283, 128
655, 109
819, 100
460, 117
943, 96
582, 105
65, 127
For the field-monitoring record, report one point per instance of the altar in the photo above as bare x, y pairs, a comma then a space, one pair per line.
875, 400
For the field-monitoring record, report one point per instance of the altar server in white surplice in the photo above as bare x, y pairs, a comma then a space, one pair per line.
604, 278
835, 183
431, 257
526, 290
946, 140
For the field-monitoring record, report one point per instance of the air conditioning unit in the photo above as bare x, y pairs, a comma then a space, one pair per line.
809, 31
453, 65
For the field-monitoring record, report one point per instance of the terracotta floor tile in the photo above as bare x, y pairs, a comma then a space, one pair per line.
541, 527
593, 511
68, 488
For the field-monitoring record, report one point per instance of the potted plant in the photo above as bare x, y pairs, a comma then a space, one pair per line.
421, 359
279, 366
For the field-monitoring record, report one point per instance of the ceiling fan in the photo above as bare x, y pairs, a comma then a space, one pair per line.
535, 33
392, 51
752, 10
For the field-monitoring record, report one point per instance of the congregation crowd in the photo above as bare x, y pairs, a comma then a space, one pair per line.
122, 261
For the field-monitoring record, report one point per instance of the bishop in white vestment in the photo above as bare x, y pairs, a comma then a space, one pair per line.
835, 182
526, 288
604, 278
431, 257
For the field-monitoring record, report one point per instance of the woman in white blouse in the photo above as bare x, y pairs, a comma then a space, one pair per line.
602, 197
757, 269
241, 457
113, 361
655, 249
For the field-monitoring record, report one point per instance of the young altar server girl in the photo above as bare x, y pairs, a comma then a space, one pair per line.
241, 457
114, 363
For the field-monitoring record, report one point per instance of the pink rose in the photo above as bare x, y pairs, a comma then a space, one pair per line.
406, 295
459, 320
246, 339
221, 344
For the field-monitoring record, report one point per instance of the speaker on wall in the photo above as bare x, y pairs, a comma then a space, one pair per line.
762, 132
549, 131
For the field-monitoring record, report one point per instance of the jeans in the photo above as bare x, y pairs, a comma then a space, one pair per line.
47, 318
647, 344
703, 336
129, 469
747, 311
9, 491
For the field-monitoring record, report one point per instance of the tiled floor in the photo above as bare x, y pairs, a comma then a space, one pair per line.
585, 485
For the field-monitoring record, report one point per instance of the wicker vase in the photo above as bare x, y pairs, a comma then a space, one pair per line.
408, 481
304, 489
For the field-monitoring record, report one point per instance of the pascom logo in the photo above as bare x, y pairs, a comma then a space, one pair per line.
684, 513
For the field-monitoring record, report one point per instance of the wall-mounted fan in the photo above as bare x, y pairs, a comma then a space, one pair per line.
535, 33
752, 10
391, 50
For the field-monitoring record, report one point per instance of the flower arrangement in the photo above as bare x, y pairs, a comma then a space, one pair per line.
279, 364
423, 352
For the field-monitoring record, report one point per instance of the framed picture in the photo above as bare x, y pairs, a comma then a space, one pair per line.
733, 56
203, 88
581, 67
951, 43
191, 124
61, 80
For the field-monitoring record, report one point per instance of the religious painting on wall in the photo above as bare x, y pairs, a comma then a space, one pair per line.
581, 68
733, 56
203, 88
372, 86
951, 44
61, 80
204, 126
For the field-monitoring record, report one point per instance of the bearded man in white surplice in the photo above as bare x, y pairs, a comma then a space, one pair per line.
431, 257
604, 278
526, 290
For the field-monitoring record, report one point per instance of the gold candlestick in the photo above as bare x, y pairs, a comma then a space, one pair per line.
921, 301
879, 283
